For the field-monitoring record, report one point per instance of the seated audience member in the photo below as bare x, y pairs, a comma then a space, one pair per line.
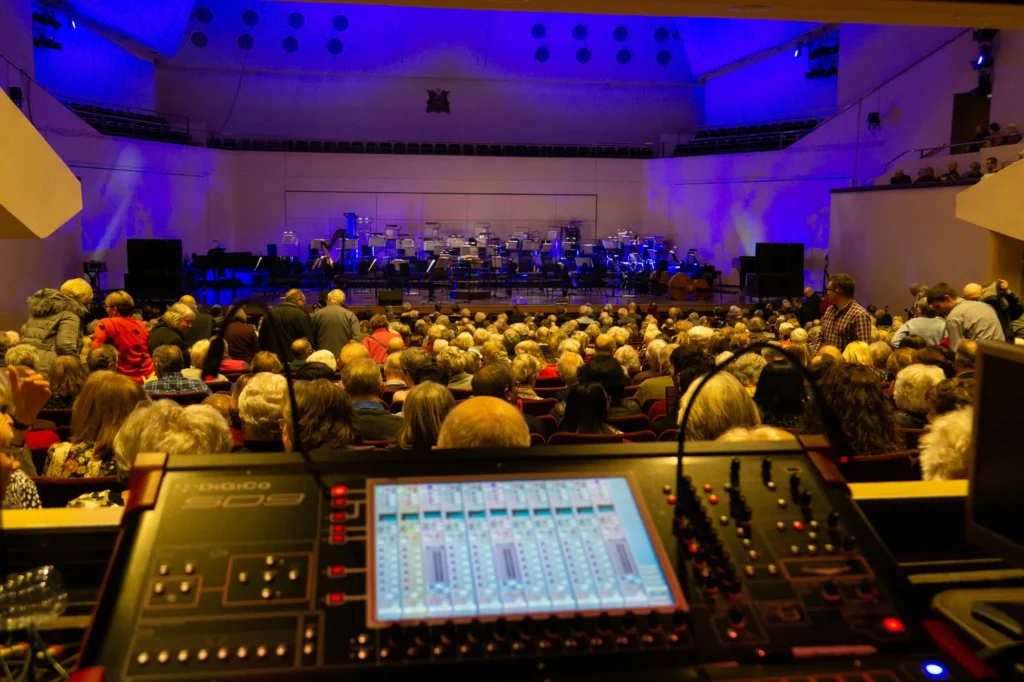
832, 351
547, 370
629, 359
127, 335
301, 350
656, 386
396, 345
22, 356
56, 319
586, 411
722, 404
747, 369
105, 401
949, 395
394, 377
898, 361
484, 422
377, 342
67, 374
911, 394
926, 174
946, 446
431, 373
163, 426
352, 351
202, 326
965, 358
802, 351
265, 361
821, 365
927, 326
326, 420
991, 165
169, 364
324, 357
222, 403
880, 352
780, 395
859, 353
241, 339
605, 370
174, 324
423, 412
362, 381
21, 399
314, 370
496, 381
855, 394
453, 361
654, 349
568, 366
952, 172
412, 360
974, 320
900, 178
758, 433
197, 355
104, 359
974, 173
605, 345
526, 369
260, 409
1012, 135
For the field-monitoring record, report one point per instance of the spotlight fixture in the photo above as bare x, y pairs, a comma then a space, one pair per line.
72, 22
985, 58
799, 49
874, 120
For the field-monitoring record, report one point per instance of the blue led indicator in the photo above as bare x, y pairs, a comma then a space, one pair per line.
935, 669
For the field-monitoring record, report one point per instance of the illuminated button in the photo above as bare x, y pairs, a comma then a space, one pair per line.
310, 633
142, 658
243, 577
713, 499
708, 487
163, 657
362, 654
335, 571
724, 520
794, 550
754, 556
261, 651
830, 549
281, 650
935, 669
893, 625
222, 654
666, 489
202, 655
339, 502
158, 588
747, 543
293, 574
812, 535
242, 652
782, 503
814, 525
163, 570
308, 649
812, 549
363, 638
338, 539
749, 570
190, 569
266, 593
732, 634
185, 587
339, 491
268, 576
772, 569
335, 598
183, 656
337, 516
270, 560
798, 526
781, 525
671, 499
338, 528
771, 485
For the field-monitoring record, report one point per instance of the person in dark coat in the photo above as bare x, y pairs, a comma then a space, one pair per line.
54, 325
335, 325
240, 338
202, 326
810, 310
293, 323
171, 330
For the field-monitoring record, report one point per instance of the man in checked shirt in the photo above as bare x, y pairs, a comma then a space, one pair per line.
846, 320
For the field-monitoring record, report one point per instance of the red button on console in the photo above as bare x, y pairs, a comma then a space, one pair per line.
893, 625
798, 526
338, 539
713, 499
338, 528
671, 499
335, 571
337, 516
339, 490
335, 598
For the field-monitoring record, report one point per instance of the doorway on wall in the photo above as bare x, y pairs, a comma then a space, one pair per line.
968, 113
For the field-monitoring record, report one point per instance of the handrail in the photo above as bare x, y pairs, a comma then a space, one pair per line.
291, 138
942, 146
800, 116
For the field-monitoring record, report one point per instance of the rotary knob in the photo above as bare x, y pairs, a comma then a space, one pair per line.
734, 470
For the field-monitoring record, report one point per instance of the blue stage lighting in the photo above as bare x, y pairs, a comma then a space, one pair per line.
934, 669
73, 24
798, 50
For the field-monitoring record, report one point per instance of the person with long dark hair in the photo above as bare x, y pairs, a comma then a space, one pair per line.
780, 395
855, 394
586, 410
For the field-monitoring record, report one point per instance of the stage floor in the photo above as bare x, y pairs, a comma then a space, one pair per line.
534, 301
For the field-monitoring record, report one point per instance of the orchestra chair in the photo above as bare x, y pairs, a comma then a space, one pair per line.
631, 423
538, 408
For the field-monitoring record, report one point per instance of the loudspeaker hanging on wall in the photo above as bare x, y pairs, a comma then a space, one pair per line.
16, 96
874, 120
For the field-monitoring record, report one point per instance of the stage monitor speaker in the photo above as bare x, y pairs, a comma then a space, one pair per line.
154, 286
779, 258
474, 295
389, 297
154, 256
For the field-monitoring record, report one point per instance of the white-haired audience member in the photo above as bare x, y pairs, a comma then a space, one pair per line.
911, 394
946, 446
747, 369
198, 352
170, 331
324, 356
653, 356
260, 409
163, 426
655, 388
334, 326
629, 359
484, 422
722, 404
452, 361
798, 335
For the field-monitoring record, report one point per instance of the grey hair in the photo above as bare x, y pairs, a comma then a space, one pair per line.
261, 404
22, 355
654, 349
747, 368
324, 356
722, 404
165, 426
176, 313
336, 296
798, 335
198, 352
912, 383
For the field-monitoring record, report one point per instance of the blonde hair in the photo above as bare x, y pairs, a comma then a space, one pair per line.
484, 422
198, 352
451, 361
78, 289
423, 412
741, 435
722, 404
910, 392
122, 301
858, 353
628, 358
529, 348
525, 369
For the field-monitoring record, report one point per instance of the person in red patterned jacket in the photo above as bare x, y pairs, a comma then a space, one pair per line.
127, 334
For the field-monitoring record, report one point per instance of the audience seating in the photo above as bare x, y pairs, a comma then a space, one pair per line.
743, 139
536, 439
57, 492
39, 458
564, 438
219, 386
550, 382
378, 443
910, 437
669, 435
428, 148
549, 422
461, 393
124, 123
893, 466
549, 392
181, 398
539, 408
648, 404
636, 422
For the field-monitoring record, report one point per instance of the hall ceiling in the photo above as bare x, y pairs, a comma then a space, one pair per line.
1007, 14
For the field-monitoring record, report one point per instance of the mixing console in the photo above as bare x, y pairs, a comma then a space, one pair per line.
555, 564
